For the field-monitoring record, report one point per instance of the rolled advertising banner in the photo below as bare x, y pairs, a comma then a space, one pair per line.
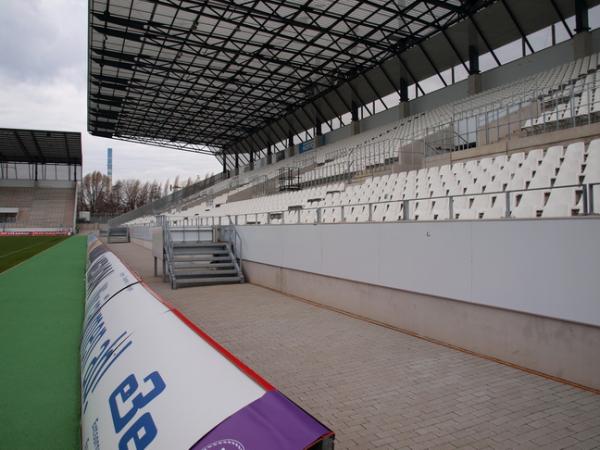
151, 379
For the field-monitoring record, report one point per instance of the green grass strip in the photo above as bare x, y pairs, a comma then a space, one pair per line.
15, 249
41, 312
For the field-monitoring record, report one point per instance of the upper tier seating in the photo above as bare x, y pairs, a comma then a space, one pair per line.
40, 207
562, 93
475, 189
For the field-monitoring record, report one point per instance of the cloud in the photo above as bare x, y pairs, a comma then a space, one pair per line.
43, 74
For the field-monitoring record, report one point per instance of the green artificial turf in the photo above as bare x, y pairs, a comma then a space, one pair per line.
14, 249
41, 312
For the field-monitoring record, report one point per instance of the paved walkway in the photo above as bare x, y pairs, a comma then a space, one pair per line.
378, 388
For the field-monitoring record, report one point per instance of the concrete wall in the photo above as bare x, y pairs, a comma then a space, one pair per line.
544, 267
526, 292
553, 347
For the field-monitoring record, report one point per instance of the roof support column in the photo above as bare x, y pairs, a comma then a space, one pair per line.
269, 154
404, 106
318, 132
225, 165
355, 123
582, 41
251, 164
291, 149
474, 73
237, 163
581, 17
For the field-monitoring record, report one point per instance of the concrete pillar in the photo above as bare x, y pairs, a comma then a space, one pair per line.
237, 163
474, 80
355, 124
251, 164
225, 164
474, 84
582, 44
318, 134
269, 155
290, 151
403, 107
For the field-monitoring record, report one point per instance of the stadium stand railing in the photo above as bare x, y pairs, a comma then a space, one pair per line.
552, 182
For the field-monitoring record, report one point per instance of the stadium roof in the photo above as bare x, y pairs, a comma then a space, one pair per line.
40, 146
218, 75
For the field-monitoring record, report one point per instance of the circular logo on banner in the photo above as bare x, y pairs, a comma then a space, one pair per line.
224, 444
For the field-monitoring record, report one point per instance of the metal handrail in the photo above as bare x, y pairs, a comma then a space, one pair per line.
587, 192
237, 248
167, 250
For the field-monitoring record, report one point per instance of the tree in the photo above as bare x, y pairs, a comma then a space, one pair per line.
155, 191
94, 192
131, 198
115, 204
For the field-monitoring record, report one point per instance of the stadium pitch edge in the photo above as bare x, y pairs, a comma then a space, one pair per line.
41, 310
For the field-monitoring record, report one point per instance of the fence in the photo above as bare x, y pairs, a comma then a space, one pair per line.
452, 207
173, 200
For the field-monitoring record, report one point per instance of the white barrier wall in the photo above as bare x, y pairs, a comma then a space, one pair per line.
543, 267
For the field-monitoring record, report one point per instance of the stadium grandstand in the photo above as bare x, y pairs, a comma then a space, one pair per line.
39, 171
403, 236
323, 114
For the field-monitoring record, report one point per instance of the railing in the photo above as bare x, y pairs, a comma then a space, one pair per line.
229, 233
167, 253
316, 214
157, 207
574, 104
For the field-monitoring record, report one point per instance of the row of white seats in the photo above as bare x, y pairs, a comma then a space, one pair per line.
477, 188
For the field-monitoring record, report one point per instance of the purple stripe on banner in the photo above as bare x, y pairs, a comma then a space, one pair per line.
270, 423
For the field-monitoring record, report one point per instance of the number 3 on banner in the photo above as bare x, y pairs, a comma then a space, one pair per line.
121, 396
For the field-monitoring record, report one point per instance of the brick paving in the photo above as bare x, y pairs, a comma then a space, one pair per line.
378, 388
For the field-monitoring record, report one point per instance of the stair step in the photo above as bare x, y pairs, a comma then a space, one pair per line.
199, 244
199, 258
196, 251
203, 281
201, 264
199, 273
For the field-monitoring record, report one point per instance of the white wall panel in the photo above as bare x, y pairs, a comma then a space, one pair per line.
543, 267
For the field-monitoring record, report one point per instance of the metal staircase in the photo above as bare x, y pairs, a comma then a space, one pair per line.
197, 256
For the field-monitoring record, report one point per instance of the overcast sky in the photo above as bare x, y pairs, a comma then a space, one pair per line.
43, 72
